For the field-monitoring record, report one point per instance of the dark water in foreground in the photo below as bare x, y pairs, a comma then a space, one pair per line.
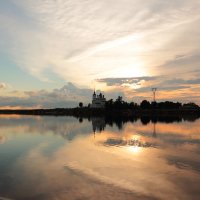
61, 158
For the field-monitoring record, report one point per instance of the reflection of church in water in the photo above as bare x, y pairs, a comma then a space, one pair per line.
98, 124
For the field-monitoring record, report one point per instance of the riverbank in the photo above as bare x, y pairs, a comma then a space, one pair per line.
86, 112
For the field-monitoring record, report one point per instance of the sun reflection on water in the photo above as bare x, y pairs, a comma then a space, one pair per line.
134, 149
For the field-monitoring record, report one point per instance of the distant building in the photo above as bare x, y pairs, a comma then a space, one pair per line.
98, 101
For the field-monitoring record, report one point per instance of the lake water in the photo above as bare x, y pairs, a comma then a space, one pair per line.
66, 158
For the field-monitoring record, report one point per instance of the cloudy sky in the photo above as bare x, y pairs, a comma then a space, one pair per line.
54, 52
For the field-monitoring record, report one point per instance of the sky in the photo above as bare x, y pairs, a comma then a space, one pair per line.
53, 53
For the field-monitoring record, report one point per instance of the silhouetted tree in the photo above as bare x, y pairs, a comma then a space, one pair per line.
80, 104
118, 104
133, 105
119, 99
109, 104
145, 104
190, 105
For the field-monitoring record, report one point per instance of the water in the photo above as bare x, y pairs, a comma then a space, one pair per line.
66, 158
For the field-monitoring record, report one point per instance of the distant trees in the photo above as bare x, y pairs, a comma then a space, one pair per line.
160, 105
109, 104
119, 104
133, 105
80, 104
169, 105
190, 105
145, 104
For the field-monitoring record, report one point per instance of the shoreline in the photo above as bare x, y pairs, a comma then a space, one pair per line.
86, 112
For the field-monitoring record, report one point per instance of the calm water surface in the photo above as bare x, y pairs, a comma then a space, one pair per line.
65, 158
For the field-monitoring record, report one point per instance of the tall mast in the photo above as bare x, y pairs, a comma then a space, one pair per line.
154, 93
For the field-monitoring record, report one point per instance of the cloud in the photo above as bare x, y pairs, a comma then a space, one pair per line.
3, 139
129, 45
195, 81
3, 85
184, 62
163, 88
165, 82
171, 88
75, 39
131, 89
126, 80
67, 96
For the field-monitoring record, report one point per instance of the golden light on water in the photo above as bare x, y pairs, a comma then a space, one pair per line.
134, 149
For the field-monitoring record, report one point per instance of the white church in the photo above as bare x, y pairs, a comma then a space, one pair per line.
98, 101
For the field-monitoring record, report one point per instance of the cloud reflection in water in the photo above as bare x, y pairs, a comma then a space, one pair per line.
64, 160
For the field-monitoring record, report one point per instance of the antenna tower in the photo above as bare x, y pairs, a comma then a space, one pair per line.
154, 93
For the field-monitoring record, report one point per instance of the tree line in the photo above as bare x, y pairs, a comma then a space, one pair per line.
119, 104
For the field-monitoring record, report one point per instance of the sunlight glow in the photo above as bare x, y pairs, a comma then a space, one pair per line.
135, 69
134, 144
134, 149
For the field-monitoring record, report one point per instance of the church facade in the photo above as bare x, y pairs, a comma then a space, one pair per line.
98, 101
